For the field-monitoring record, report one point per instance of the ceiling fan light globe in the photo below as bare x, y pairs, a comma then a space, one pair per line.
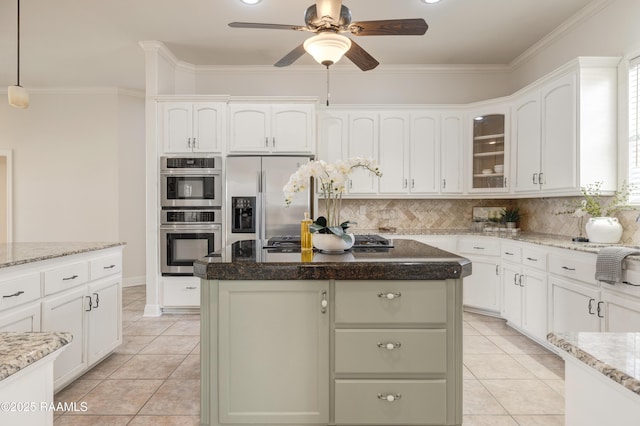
18, 97
327, 47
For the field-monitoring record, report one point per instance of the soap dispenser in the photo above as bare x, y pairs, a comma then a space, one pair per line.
305, 233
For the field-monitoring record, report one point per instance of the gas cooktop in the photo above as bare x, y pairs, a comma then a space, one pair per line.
362, 241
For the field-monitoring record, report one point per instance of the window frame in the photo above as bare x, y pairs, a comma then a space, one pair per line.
629, 124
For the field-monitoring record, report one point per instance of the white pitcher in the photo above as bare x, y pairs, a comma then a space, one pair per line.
604, 230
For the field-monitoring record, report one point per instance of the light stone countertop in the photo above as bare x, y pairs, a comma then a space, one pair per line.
616, 355
550, 240
13, 254
19, 350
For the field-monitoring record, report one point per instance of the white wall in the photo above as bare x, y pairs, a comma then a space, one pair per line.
69, 183
612, 29
349, 85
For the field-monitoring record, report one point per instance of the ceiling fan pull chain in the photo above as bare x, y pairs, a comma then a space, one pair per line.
328, 86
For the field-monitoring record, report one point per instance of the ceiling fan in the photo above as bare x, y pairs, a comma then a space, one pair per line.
328, 19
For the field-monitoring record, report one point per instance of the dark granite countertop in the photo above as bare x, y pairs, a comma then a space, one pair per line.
407, 260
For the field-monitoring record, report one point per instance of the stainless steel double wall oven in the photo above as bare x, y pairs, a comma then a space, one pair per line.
191, 215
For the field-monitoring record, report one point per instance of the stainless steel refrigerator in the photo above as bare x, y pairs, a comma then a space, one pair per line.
255, 202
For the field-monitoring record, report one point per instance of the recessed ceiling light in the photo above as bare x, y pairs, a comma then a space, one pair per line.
258, 1
430, 1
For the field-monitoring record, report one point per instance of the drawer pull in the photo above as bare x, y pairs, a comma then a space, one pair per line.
478, 248
72, 277
389, 397
189, 287
598, 309
109, 267
591, 306
532, 259
630, 283
389, 296
97, 305
508, 254
90, 304
18, 293
324, 303
566, 268
389, 346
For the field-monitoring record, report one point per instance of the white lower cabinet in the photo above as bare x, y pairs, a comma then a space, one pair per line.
524, 290
80, 294
66, 312
23, 319
273, 352
482, 288
572, 306
93, 314
105, 319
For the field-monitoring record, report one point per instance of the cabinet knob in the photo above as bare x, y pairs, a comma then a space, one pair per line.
389, 345
389, 296
324, 303
389, 397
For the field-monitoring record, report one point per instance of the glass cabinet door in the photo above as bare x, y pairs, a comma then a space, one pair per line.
488, 151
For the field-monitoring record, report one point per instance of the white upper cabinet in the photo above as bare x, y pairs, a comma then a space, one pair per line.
192, 126
424, 151
564, 130
413, 148
489, 148
451, 153
363, 142
526, 135
271, 128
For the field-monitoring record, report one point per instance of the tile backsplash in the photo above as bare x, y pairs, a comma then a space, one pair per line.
413, 215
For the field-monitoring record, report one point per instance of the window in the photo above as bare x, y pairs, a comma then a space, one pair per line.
634, 128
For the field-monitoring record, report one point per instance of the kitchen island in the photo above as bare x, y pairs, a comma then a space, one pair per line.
371, 336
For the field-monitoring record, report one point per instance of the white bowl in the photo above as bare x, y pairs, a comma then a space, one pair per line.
487, 171
498, 168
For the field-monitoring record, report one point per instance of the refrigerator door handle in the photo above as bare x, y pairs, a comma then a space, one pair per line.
263, 206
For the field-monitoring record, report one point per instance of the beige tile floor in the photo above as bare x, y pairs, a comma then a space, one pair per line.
153, 378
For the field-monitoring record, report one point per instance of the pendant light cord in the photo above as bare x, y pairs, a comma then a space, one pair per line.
18, 43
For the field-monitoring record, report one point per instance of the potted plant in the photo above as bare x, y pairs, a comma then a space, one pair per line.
601, 226
511, 216
332, 179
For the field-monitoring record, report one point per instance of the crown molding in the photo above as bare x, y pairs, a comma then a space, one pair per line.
583, 14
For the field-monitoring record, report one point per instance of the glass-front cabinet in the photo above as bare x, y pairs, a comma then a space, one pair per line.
489, 153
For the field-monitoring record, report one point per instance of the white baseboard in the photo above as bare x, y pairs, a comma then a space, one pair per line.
152, 310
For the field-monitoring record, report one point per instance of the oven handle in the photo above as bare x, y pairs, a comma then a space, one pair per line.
192, 228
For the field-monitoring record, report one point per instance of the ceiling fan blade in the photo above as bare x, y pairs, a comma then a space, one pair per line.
267, 26
416, 26
360, 57
291, 57
329, 8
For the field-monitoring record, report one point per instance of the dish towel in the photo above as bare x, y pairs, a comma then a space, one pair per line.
609, 263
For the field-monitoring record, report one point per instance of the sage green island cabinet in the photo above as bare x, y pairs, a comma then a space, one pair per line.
368, 337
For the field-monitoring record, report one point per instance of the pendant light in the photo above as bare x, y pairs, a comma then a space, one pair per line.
18, 96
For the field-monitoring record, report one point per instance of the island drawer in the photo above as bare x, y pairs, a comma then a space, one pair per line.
362, 402
391, 302
19, 290
579, 266
105, 266
65, 277
391, 351
534, 258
